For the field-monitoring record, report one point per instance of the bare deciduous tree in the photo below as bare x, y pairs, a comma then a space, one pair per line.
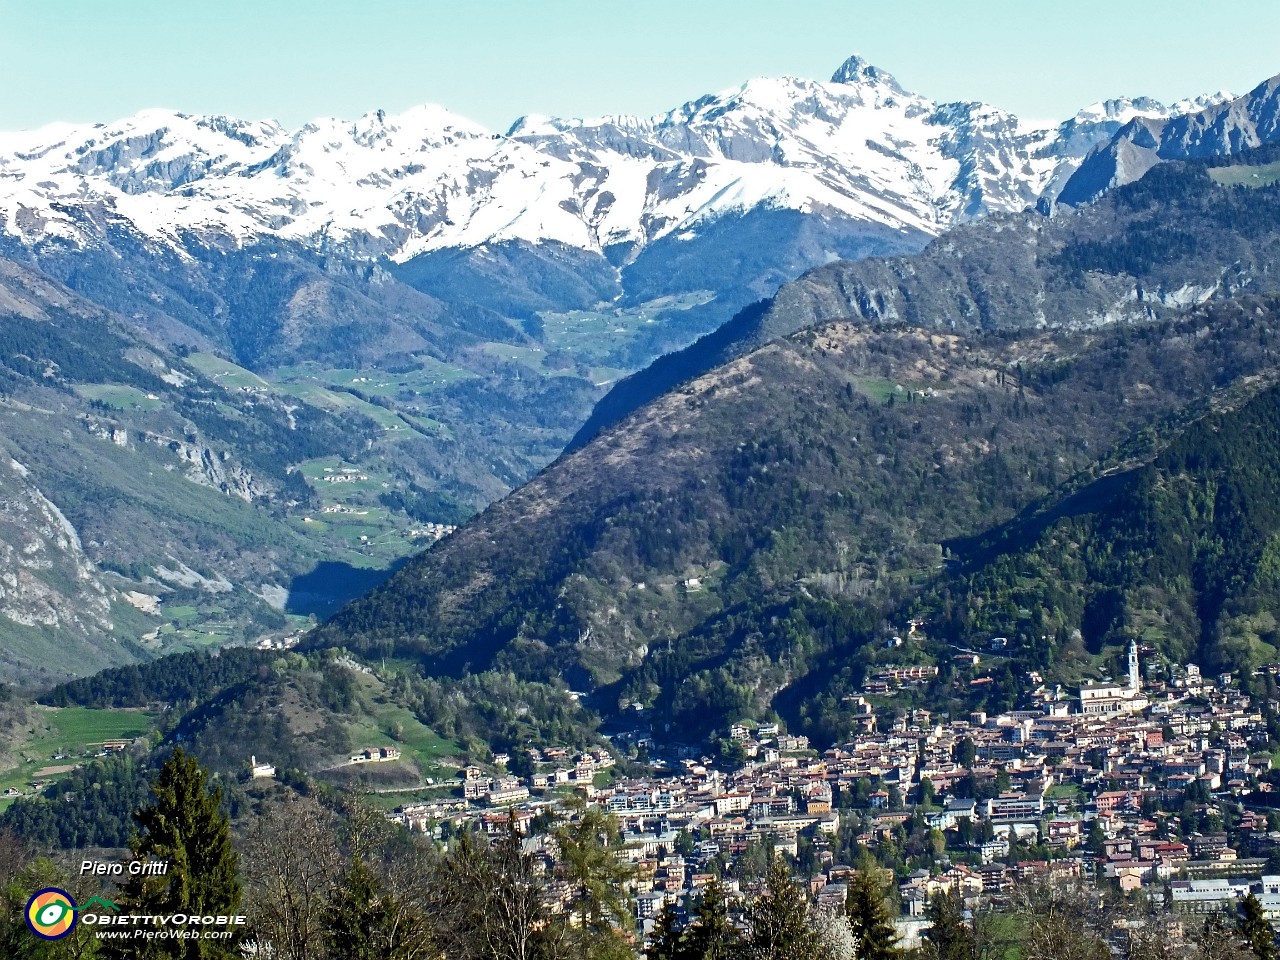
488, 902
291, 864
1064, 921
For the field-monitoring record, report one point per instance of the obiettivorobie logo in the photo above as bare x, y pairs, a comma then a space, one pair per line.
52, 913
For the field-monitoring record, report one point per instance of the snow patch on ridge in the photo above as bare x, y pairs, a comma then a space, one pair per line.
399, 185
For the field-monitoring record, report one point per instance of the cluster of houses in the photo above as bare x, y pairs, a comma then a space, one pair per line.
554, 767
435, 531
344, 475
63, 762
1088, 789
375, 755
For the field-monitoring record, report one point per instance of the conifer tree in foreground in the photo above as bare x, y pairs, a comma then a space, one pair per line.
779, 919
1256, 929
949, 937
711, 935
376, 910
366, 921
185, 828
590, 861
667, 942
869, 915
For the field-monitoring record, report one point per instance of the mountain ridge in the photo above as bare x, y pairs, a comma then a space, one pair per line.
396, 186
694, 546
1226, 127
436, 380
988, 273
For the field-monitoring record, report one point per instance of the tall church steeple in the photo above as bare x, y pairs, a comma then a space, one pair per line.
1135, 680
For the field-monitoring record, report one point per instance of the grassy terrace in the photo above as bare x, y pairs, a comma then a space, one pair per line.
1246, 176
882, 388
226, 374
433, 375
54, 741
118, 397
350, 512
592, 331
330, 389
429, 751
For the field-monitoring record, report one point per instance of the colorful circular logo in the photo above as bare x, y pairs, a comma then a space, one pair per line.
51, 913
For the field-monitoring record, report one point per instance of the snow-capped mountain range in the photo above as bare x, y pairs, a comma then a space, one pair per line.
857, 148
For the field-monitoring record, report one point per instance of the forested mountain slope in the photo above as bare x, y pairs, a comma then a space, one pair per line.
1143, 252
708, 554
1180, 553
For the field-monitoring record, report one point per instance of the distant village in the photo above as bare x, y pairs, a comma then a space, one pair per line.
1101, 787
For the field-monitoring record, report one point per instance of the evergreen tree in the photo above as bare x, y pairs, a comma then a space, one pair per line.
186, 829
1256, 929
711, 935
869, 916
590, 860
949, 937
685, 845
668, 939
364, 921
354, 918
927, 792
778, 919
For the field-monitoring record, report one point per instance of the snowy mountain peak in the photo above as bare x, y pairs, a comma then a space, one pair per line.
424, 126
1124, 109
857, 70
1189, 129
429, 118
858, 149
536, 125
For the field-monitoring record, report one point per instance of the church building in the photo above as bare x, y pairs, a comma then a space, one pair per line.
1110, 699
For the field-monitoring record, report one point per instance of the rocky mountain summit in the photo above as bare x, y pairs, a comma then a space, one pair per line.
858, 148
1223, 127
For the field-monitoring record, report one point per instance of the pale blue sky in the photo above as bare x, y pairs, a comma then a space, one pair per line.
494, 60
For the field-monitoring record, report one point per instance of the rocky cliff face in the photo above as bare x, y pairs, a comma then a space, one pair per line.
48, 586
211, 468
1219, 129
